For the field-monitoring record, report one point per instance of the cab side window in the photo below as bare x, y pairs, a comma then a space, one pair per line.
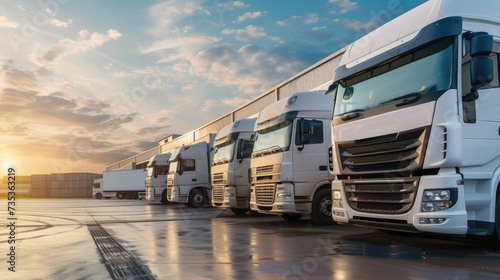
188, 165
315, 134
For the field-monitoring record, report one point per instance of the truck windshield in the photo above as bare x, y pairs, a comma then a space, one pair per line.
273, 139
410, 75
224, 152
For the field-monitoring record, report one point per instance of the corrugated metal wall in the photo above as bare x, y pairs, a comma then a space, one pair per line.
315, 77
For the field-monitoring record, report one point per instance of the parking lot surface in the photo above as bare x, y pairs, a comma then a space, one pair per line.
133, 239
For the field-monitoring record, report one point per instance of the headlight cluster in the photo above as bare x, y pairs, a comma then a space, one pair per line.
436, 200
337, 199
284, 195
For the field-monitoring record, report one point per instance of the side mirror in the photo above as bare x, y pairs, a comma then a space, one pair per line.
481, 44
333, 87
239, 151
481, 71
180, 166
481, 65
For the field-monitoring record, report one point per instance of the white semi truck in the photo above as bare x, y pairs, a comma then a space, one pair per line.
120, 184
156, 186
416, 123
289, 164
188, 179
230, 166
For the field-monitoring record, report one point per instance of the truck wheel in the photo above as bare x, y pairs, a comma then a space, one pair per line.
494, 239
291, 217
98, 195
239, 211
120, 195
321, 214
197, 198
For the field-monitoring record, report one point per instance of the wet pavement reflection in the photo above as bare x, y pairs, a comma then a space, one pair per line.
177, 242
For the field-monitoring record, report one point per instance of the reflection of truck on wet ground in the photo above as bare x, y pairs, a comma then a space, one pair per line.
188, 179
289, 164
120, 184
416, 123
230, 166
156, 186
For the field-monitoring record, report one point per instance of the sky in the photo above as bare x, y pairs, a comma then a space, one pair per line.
84, 84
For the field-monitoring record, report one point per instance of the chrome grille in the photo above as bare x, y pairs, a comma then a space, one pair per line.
218, 178
385, 196
264, 194
218, 194
398, 152
264, 169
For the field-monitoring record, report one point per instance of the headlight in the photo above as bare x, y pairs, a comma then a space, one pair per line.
283, 195
436, 200
337, 195
437, 195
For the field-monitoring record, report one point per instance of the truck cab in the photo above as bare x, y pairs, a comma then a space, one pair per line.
416, 123
230, 166
156, 186
188, 179
97, 189
289, 164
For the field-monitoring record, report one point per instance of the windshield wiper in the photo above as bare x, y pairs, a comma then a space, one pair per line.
403, 100
349, 115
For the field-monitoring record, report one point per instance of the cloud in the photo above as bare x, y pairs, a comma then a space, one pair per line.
249, 32
250, 15
208, 105
343, 6
58, 23
240, 4
250, 68
14, 130
7, 23
177, 44
69, 150
167, 14
60, 110
311, 19
319, 33
85, 42
14, 78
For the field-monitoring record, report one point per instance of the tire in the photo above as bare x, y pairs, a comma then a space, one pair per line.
239, 211
291, 217
98, 195
197, 198
321, 214
494, 239
120, 195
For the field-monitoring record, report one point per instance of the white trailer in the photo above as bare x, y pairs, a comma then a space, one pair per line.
188, 179
120, 184
289, 164
230, 166
416, 123
156, 180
